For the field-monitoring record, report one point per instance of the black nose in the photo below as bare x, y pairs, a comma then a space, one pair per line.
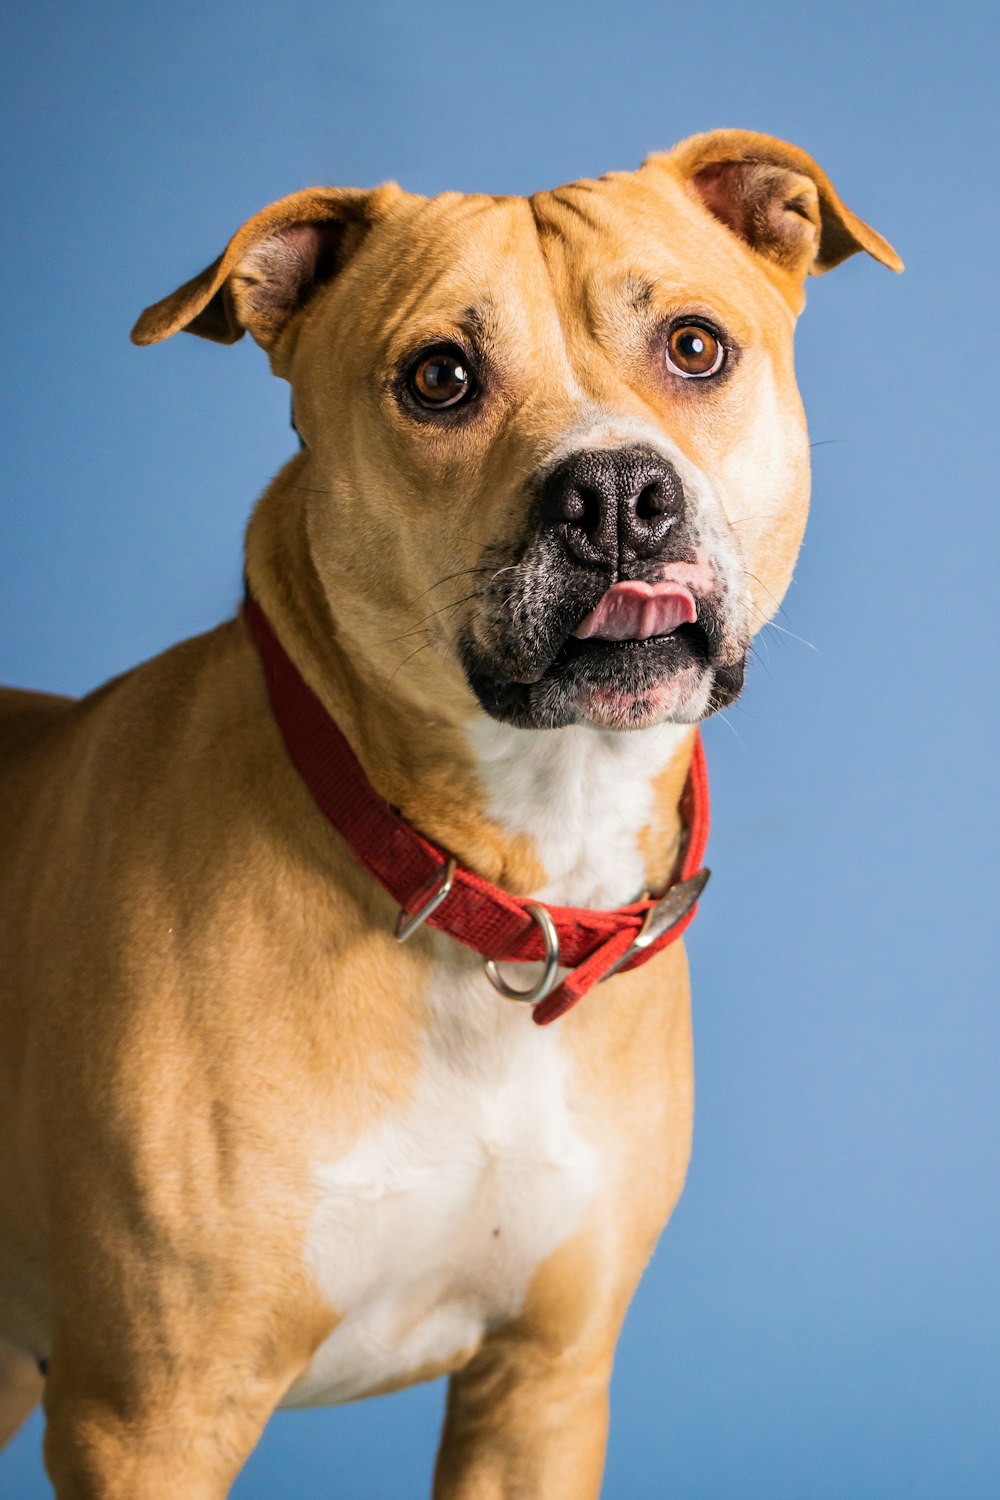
613, 506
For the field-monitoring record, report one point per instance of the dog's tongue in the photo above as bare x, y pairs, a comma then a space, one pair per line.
635, 611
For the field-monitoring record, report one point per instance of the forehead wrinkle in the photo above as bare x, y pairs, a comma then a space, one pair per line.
633, 288
468, 205
573, 388
548, 226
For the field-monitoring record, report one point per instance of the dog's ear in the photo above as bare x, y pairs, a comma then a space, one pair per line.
774, 197
270, 269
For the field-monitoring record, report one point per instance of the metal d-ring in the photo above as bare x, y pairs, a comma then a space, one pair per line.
539, 990
407, 922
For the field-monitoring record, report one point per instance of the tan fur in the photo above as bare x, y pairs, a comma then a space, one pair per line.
200, 993
20, 1389
660, 839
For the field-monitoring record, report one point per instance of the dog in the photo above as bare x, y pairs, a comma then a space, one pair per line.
258, 1152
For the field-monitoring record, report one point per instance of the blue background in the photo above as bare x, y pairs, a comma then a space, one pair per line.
821, 1319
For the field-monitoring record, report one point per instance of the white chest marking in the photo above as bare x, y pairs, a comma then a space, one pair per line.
583, 795
427, 1233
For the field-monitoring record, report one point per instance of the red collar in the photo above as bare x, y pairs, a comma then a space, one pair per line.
430, 886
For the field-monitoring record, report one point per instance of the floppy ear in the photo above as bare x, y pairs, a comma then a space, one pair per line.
776, 198
270, 269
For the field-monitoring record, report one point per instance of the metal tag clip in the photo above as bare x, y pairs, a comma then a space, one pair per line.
668, 911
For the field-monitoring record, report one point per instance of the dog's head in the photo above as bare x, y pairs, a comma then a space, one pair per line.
557, 440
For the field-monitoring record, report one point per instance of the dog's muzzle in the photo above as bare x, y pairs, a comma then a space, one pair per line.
609, 613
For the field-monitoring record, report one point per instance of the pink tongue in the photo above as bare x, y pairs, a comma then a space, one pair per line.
635, 611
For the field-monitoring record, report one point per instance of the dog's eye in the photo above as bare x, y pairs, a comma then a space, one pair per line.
442, 378
694, 351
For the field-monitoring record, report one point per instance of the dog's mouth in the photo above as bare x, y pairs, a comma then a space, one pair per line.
645, 653
683, 646
633, 610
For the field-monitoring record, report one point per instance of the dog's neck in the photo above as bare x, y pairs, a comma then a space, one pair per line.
592, 802
579, 816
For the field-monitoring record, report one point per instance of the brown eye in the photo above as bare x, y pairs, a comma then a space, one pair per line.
442, 379
694, 351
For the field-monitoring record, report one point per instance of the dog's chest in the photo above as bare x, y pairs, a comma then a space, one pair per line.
427, 1233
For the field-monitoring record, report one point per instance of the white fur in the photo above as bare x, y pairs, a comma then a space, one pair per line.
427, 1233
583, 794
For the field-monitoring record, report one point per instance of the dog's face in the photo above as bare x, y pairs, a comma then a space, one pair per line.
554, 449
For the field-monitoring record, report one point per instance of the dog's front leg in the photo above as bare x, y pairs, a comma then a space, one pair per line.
157, 1403
525, 1421
148, 1445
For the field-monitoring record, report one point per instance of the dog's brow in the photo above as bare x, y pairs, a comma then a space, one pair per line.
639, 292
480, 320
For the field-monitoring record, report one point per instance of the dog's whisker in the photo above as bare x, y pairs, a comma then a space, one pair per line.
749, 520
731, 727
753, 577
771, 625
779, 606
432, 616
400, 665
753, 649
448, 578
758, 659
767, 624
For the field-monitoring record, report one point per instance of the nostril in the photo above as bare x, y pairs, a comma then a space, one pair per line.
592, 509
583, 506
574, 506
651, 501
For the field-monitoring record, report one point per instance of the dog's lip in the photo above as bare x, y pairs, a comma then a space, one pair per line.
632, 610
596, 649
628, 611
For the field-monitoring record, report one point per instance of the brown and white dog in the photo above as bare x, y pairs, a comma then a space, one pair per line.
554, 475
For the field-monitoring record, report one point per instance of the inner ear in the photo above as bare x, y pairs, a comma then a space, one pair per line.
279, 275
271, 268
776, 211
775, 198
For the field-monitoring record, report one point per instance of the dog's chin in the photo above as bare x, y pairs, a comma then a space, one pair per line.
613, 684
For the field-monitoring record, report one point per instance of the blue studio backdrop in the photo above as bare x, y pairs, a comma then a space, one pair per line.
821, 1318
